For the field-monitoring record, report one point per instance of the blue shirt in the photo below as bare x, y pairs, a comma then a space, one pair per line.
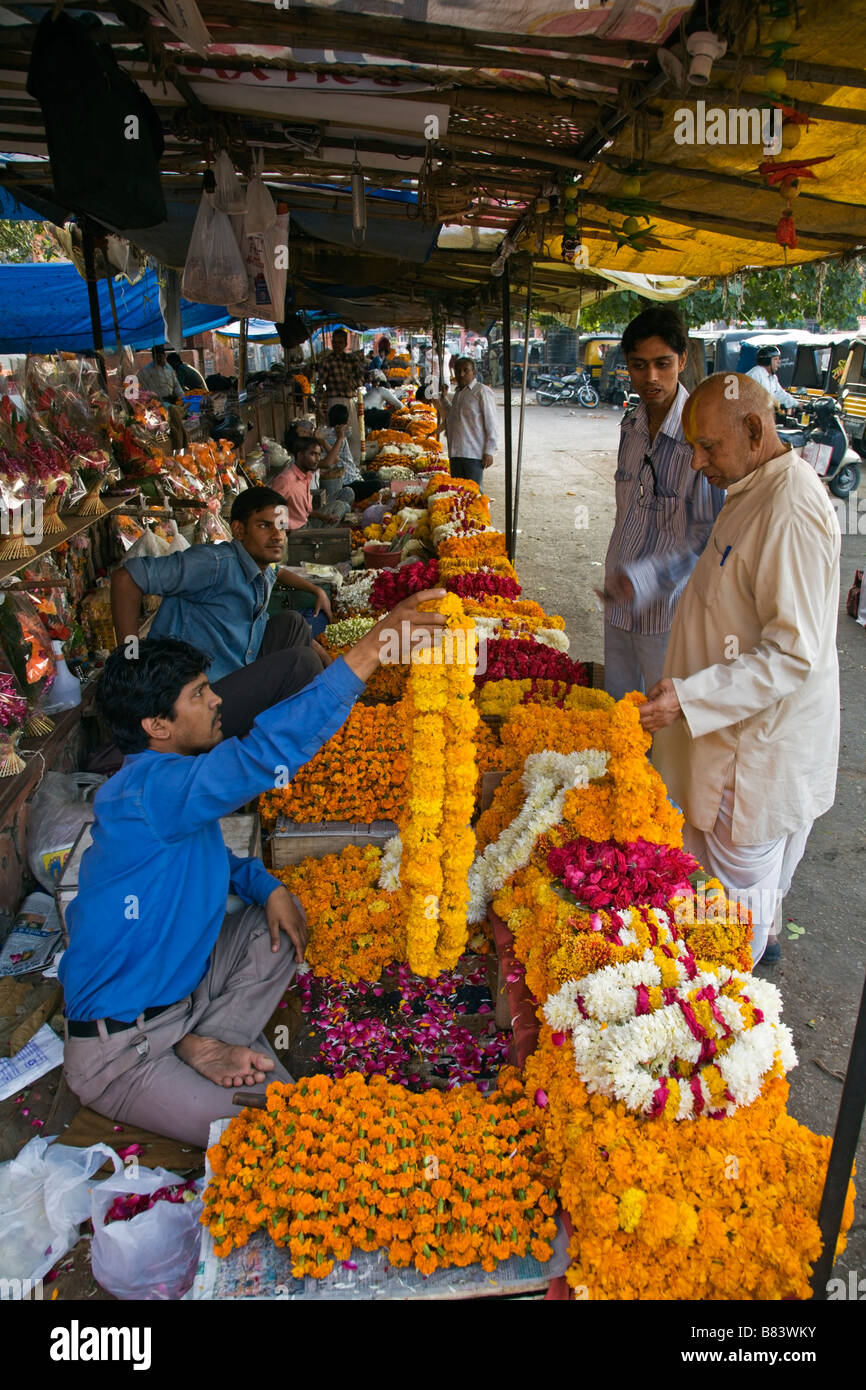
153, 883
214, 596
662, 523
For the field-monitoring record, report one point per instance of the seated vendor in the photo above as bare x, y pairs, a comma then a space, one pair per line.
216, 596
167, 994
379, 401
361, 484
190, 377
297, 483
160, 379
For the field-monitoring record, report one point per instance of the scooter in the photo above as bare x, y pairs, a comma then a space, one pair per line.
553, 390
820, 437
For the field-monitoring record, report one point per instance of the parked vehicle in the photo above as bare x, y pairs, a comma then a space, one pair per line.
852, 395
819, 435
556, 390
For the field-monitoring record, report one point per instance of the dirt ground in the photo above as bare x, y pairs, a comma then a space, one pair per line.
565, 518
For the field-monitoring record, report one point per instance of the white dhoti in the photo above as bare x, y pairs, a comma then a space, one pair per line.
757, 876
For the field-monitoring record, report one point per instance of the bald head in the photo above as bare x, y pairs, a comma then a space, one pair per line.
730, 422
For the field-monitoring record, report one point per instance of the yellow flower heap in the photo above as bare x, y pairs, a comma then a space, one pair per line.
438, 843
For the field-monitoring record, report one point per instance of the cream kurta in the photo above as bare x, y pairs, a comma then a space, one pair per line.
752, 654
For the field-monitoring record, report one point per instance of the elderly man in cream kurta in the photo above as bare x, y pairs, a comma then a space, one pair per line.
746, 715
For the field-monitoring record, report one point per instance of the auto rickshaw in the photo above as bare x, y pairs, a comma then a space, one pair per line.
852, 394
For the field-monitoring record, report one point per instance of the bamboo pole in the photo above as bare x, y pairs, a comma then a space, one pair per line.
93, 297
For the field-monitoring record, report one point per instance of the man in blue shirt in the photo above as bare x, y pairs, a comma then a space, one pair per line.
664, 510
216, 597
166, 995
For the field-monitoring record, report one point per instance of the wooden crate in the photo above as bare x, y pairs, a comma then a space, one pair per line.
324, 545
293, 841
242, 833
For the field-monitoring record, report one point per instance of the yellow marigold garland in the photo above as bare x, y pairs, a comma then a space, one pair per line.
438, 844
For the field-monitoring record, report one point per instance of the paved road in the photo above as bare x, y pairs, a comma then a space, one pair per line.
565, 519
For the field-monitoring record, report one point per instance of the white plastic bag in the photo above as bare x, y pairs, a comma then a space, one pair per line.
266, 258
44, 1197
61, 806
215, 272
230, 195
153, 1255
261, 208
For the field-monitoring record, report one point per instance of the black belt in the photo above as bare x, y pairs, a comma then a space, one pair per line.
112, 1025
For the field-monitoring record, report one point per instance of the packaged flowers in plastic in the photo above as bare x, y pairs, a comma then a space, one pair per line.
13, 713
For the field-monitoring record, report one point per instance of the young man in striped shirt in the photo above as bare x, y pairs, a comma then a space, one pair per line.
664, 510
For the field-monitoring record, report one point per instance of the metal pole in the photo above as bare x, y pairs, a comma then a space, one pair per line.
93, 298
506, 372
848, 1124
522, 410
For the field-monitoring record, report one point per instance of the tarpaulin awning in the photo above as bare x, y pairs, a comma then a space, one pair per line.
44, 308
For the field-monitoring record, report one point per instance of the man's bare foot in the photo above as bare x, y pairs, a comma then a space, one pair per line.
227, 1064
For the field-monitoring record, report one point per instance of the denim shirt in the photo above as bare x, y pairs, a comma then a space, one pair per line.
214, 596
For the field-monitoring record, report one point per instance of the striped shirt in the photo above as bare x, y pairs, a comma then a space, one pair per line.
664, 515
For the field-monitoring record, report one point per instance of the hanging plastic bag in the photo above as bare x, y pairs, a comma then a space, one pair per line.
267, 259
261, 208
215, 272
60, 808
230, 194
152, 1255
45, 1194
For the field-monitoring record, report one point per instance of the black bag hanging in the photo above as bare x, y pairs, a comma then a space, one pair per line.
104, 136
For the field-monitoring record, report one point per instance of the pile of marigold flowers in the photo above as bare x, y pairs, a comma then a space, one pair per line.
358, 775
354, 930
436, 1180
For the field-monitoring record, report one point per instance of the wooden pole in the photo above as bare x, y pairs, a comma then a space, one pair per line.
93, 297
526, 325
242, 357
110, 279
506, 376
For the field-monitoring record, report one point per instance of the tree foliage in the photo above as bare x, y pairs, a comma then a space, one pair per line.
26, 241
822, 296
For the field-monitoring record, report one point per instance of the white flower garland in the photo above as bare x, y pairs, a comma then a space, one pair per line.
625, 1055
493, 627
389, 864
547, 777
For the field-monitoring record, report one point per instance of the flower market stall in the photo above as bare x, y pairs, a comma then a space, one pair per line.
532, 1056
646, 1087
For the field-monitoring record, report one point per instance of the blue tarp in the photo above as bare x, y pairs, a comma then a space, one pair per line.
44, 308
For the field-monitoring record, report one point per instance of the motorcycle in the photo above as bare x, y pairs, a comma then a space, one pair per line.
820, 437
553, 390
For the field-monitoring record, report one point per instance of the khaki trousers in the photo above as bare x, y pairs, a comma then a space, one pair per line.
136, 1076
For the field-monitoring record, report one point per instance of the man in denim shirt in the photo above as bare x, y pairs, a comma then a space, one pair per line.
167, 994
216, 598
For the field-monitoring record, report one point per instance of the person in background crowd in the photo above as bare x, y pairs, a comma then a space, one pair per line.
746, 716
380, 356
166, 1008
189, 377
470, 423
350, 484
219, 595
160, 379
765, 372
664, 511
295, 486
339, 376
379, 401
